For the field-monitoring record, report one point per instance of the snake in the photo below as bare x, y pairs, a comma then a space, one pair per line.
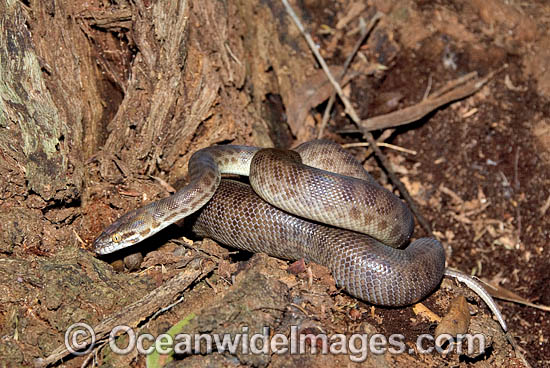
315, 202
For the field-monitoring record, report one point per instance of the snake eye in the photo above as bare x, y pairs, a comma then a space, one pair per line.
116, 238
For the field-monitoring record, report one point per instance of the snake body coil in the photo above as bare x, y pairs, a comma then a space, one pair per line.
369, 267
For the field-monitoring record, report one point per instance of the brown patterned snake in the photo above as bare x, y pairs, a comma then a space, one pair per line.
319, 181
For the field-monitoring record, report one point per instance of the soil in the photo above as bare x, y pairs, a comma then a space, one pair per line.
132, 89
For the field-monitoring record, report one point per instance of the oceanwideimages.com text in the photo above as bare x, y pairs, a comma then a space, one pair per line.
80, 339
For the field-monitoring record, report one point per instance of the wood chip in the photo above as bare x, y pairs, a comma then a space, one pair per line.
421, 310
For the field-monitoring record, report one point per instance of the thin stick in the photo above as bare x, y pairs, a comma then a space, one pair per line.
545, 206
453, 84
350, 111
348, 108
360, 41
454, 90
428, 88
421, 109
380, 144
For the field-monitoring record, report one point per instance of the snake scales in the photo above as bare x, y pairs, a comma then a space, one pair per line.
319, 181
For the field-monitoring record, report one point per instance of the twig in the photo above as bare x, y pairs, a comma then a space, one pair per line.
516, 163
545, 206
350, 111
436, 100
167, 308
380, 144
418, 111
79, 238
212, 286
428, 88
501, 293
364, 35
518, 221
87, 360
385, 135
300, 309
453, 84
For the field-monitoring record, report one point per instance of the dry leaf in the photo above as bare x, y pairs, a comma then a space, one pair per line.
457, 320
297, 267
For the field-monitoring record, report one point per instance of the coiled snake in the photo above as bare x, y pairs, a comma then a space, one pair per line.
318, 181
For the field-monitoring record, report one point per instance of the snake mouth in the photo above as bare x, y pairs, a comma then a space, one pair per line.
100, 248
103, 245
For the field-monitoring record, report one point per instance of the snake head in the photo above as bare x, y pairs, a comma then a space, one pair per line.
122, 233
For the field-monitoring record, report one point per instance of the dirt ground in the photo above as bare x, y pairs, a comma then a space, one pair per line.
104, 102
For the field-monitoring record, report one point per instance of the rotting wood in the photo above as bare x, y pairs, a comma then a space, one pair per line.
135, 313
